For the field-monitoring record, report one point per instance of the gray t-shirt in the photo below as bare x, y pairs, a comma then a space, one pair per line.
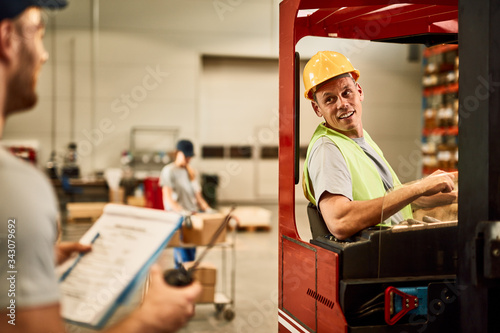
27, 197
183, 188
328, 170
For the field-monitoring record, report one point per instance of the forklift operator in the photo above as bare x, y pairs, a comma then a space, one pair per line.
345, 174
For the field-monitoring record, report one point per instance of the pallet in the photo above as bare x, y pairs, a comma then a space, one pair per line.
74, 231
81, 220
84, 212
250, 218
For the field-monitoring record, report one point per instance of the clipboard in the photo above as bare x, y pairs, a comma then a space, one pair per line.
126, 241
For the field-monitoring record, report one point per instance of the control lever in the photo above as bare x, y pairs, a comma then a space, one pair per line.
181, 276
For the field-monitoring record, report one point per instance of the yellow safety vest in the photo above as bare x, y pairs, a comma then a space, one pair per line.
366, 181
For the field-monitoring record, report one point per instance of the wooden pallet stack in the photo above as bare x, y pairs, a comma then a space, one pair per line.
250, 218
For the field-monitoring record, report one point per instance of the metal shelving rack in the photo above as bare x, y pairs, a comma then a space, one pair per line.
150, 146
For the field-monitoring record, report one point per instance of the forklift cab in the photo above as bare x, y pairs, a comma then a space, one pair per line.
399, 279
444, 278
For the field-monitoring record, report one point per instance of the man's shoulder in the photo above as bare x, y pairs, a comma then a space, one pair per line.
171, 174
324, 143
13, 169
22, 182
325, 153
168, 168
324, 140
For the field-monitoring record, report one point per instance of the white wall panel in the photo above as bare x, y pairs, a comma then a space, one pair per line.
236, 178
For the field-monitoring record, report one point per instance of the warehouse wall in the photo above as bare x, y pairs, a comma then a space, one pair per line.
211, 72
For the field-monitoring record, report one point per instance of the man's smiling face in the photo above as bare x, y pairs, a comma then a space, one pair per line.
338, 101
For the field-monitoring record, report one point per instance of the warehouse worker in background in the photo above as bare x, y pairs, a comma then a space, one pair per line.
182, 192
30, 303
345, 173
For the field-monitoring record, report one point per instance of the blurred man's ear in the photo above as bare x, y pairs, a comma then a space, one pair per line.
316, 109
6, 41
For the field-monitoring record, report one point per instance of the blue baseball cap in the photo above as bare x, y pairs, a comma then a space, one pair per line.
186, 147
11, 8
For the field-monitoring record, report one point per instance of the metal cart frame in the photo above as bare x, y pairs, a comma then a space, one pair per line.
224, 298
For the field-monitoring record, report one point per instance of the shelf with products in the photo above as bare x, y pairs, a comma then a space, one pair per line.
440, 109
151, 148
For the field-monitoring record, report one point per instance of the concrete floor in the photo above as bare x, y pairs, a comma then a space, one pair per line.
255, 283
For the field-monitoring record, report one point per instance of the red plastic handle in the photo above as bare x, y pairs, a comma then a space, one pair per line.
408, 303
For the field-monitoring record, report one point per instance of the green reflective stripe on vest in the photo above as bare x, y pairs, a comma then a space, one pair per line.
366, 181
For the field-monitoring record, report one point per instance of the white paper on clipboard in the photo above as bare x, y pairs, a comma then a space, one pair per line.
129, 240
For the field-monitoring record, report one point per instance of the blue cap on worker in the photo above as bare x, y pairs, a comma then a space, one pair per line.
12, 8
186, 147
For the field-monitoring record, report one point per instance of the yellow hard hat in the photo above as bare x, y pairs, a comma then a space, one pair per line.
324, 66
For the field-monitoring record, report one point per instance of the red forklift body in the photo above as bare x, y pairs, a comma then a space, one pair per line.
324, 285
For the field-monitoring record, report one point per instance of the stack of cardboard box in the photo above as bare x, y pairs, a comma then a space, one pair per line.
199, 233
206, 274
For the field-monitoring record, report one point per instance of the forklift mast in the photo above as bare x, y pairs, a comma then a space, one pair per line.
324, 285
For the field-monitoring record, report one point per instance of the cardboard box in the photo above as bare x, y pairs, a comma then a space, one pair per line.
84, 211
204, 226
207, 294
175, 241
205, 273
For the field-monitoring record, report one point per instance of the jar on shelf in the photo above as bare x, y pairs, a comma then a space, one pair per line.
450, 140
435, 138
451, 77
430, 118
441, 113
429, 148
444, 158
455, 112
427, 81
448, 116
430, 161
431, 66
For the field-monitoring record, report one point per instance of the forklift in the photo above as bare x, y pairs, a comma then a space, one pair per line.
377, 282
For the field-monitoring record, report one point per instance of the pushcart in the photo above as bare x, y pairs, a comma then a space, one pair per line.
223, 298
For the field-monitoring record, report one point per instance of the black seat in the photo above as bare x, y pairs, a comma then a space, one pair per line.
316, 222
319, 228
